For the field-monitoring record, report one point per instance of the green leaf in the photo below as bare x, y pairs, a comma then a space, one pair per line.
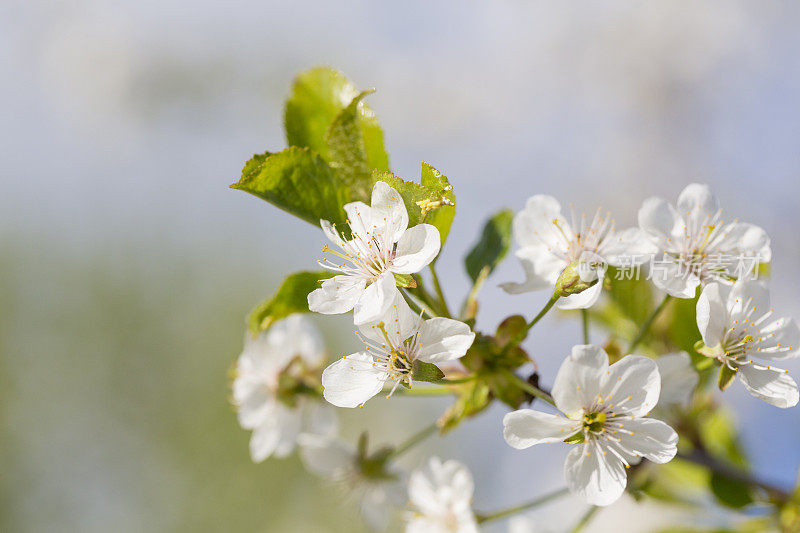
422, 371
318, 96
442, 216
472, 398
730, 492
291, 297
726, 376
298, 181
355, 146
493, 245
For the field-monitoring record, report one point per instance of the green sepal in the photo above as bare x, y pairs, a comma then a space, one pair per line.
405, 280
471, 399
726, 376
429, 372
576, 438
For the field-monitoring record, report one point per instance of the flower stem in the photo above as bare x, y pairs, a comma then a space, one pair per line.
524, 333
413, 441
439, 293
530, 389
482, 518
424, 391
647, 323
417, 303
703, 458
585, 320
585, 519
457, 381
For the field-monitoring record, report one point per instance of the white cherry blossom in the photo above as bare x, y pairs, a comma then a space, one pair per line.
548, 243
392, 345
441, 495
698, 245
678, 378
289, 348
737, 326
377, 496
604, 408
382, 245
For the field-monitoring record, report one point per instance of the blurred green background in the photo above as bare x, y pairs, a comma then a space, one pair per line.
127, 266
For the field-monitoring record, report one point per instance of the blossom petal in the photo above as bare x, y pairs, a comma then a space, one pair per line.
631, 385
583, 299
443, 339
542, 268
748, 240
578, 380
598, 478
295, 336
325, 456
697, 205
399, 322
672, 278
264, 441
442, 489
352, 380
748, 301
526, 427
322, 420
778, 340
416, 249
628, 248
648, 438
772, 385
389, 214
533, 225
712, 314
359, 217
376, 299
338, 294
660, 221
253, 401
330, 232
678, 378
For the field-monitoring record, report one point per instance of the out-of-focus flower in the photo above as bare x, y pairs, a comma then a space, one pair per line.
376, 490
605, 408
735, 325
382, 245
393, 345
442, 498
698, 246
274, 391
549, 244
678, 378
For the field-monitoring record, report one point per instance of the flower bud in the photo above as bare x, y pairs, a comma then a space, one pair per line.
575, 278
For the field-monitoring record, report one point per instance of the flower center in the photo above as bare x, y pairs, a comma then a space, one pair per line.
594, 422
366, 255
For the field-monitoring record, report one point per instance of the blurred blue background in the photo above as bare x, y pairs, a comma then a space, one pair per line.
127, 266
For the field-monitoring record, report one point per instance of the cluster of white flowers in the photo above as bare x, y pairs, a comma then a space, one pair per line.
603, 408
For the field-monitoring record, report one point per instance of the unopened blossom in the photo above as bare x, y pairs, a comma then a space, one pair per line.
269, 391
392, 345
678, 378
441, 495
604, 411
697, 244
549, 244
377, 493
738, 329
382, 245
